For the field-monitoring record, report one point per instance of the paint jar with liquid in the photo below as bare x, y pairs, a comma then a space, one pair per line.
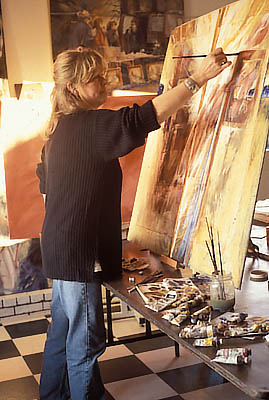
222, 292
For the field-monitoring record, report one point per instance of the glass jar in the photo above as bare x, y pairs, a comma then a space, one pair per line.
222, 292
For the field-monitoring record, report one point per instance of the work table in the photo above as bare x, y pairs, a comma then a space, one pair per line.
253, 298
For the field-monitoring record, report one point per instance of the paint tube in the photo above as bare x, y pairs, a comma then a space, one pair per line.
265, 326
203, 314
194, 331
208, 342
233, 318
168, 316
162, 303
232, 331
180, 318
196, 301
240, 351
233, 359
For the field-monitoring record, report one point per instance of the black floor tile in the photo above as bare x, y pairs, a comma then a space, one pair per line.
27, 328
108, 396
8, 349
190, 378
34, 362
19, 389
122, 368
150, 344
178, 397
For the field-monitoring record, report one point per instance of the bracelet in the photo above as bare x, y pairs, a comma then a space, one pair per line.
191, 85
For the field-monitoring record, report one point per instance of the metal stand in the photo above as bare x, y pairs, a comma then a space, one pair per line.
148, 334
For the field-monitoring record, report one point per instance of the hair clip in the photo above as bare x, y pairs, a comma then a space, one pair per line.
81, 48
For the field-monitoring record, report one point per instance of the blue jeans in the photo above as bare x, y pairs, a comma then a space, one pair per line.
76, 337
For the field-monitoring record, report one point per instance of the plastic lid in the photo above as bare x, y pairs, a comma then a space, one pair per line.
258, 275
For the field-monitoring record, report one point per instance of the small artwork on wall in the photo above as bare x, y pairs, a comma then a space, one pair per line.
135, 73
133, 35
114, 78
154, 71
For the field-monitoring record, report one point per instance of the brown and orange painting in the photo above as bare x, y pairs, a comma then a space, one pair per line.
203, 166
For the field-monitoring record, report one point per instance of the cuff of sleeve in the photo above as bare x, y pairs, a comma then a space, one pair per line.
149, 117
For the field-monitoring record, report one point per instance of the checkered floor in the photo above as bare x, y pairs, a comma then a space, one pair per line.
144, 370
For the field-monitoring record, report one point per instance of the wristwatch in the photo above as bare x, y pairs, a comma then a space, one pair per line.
191, 85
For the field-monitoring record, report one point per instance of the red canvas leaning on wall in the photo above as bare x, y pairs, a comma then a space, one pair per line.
25, 203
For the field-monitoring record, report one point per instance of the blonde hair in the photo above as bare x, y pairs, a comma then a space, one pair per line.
72, 67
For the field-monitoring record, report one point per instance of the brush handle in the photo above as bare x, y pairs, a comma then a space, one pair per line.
205, 55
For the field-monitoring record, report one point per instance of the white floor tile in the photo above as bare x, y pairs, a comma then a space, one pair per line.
4, 334
17, 319
148, 387
128, 326
165, 359
13, 368
220, 392
30, 344
115, 352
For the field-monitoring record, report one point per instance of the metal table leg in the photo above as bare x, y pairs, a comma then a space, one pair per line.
110, 337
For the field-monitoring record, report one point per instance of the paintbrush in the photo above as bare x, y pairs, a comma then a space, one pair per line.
220, 258
212, 259
212, 252
213, 249
204, 55
148, 279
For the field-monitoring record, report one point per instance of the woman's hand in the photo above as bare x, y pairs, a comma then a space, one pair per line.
169, 102
211, 66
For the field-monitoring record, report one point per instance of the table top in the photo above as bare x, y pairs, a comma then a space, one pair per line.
253, 298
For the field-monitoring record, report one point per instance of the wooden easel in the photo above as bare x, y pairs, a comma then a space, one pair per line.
185, 272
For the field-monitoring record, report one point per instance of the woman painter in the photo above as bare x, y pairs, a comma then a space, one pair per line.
80, 177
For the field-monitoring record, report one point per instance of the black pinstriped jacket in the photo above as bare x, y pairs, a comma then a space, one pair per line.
81, 177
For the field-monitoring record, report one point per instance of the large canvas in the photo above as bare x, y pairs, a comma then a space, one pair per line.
203, 165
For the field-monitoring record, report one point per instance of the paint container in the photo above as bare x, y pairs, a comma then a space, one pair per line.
240, 351
222, 292
180, 318
208, 342
258, 275
193, 332
204, 314
233, 317
233, 359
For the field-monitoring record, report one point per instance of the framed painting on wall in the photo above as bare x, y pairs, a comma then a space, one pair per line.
154, 71
135, 74
114, 78
82, 22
